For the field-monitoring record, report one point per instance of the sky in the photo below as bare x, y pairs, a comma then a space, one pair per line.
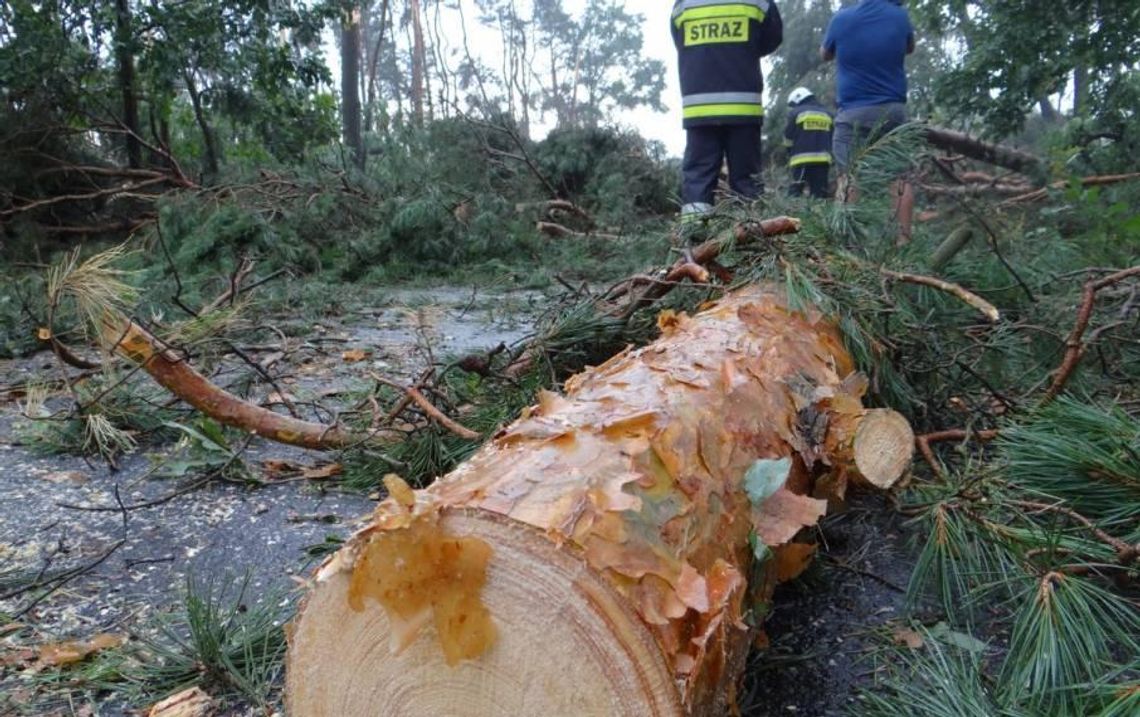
658, 44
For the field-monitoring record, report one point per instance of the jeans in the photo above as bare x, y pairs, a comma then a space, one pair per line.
860, 126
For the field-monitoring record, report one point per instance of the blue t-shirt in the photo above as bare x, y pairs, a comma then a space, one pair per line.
870, 40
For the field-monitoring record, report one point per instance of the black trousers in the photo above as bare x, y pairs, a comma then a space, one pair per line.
813, 176
707, 147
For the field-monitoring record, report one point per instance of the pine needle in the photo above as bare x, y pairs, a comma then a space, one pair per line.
1081, 453
1065, 636
935, 681
95, 286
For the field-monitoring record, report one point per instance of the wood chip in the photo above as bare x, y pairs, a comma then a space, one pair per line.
354, 355
187, 703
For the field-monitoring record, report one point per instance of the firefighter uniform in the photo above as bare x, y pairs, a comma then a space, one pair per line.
808, 138
719, 46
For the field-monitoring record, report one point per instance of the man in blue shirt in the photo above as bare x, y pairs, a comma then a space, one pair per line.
870, 41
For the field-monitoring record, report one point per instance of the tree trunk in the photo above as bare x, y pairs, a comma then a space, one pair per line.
126, 62
373, 60
209, 140
1048, 113
596, 557
350, 87
974, 148
417, 64
1080, 90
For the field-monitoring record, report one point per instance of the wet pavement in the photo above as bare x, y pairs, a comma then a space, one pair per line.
132, 559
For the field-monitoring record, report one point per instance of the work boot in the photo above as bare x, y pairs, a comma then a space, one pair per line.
694, 224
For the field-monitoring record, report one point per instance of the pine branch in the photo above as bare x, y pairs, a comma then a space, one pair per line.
1074, 348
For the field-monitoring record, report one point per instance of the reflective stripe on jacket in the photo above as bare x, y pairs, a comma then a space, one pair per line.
719, 46
808, 133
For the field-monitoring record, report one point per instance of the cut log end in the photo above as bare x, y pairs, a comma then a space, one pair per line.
565, 643
884, 447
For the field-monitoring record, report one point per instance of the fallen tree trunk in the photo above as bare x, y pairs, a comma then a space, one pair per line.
976, 190
1099, 180
608, 553
987, 152
559, 231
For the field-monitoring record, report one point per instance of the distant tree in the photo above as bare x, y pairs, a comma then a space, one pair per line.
595, 63
234, 73
1017, 55
255, 63
419, 61
125, 58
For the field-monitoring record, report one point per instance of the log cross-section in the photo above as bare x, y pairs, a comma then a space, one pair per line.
598, 556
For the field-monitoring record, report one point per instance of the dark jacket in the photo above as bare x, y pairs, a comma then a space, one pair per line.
719, 46
808, 134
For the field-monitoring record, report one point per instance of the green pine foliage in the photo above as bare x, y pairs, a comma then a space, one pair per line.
224, 638
616, 173
1067, 634
1083, 454
939, 680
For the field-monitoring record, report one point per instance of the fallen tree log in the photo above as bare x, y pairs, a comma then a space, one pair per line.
976, 190
1099, 180
559, 231
611, 552
988, 152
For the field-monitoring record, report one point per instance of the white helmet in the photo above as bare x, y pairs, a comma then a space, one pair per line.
798, 95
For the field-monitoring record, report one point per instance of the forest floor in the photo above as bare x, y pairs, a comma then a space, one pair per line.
134, 554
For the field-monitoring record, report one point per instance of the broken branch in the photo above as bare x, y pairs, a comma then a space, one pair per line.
987, 309
428, 408
1093, 181
703, 254
1074, 346
974, 148
177, 376
955, 434
1124, 552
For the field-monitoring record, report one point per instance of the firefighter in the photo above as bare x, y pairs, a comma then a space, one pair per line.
719, 46
808, 138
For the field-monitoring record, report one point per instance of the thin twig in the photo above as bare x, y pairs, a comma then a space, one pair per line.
64, 578
193, 486
264, 373
865, 573
428, 408
1124, 552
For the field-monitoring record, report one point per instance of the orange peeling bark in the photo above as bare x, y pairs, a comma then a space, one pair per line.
627, 495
